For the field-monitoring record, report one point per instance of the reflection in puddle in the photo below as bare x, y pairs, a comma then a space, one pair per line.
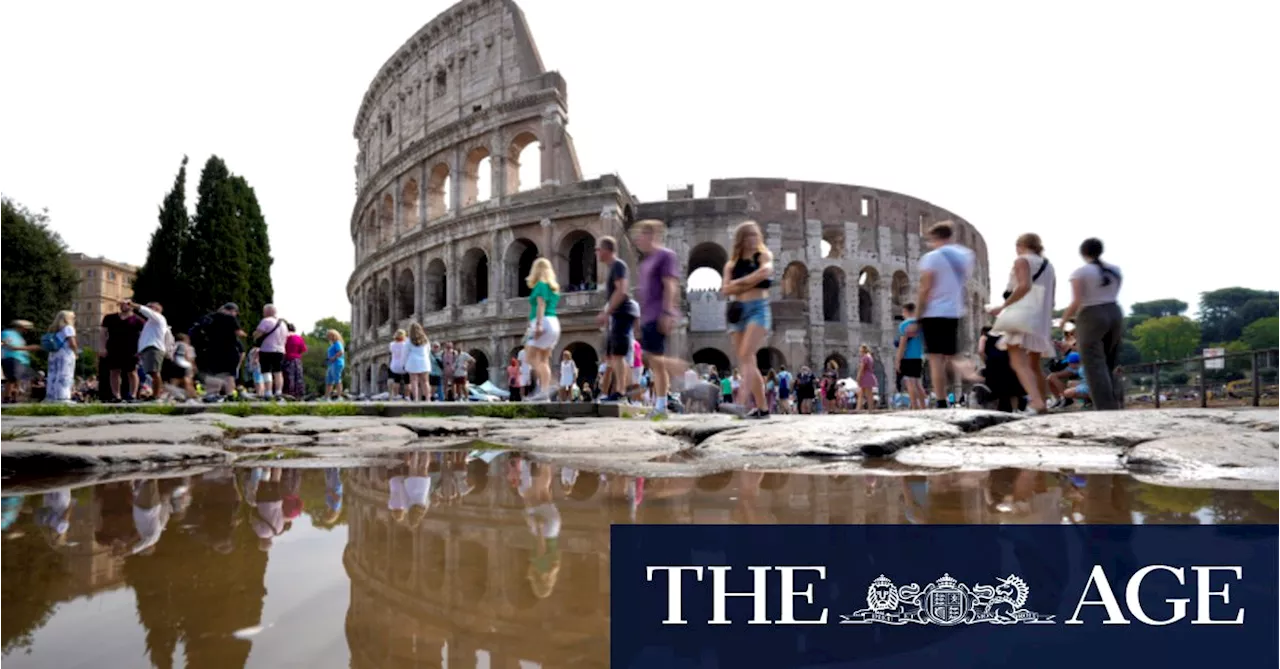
480, 559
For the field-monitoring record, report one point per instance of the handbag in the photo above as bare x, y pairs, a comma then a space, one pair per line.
1021, 316
733, 312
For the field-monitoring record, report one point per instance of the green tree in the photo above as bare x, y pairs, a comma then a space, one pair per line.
216, 259
37, 278
87, 363
161, 278
1167, 338
1130, 354
323, 326
257, 245
1262, 333
1132, 322
1159, 308
1225, 312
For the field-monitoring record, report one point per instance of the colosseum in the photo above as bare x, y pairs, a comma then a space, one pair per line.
445, 228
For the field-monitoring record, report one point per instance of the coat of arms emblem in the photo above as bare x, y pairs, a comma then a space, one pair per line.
947, 602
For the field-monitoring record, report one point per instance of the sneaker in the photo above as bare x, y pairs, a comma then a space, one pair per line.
611, 397
756, 414
655, 414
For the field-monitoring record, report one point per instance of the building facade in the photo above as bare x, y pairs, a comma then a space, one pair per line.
103, 284
445, 231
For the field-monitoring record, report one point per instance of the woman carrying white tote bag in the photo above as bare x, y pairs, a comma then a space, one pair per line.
1025, 319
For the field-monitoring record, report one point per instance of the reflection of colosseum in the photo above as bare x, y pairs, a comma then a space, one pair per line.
455, 586
445, 229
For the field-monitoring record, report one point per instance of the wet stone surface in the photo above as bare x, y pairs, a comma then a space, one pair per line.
1198, 448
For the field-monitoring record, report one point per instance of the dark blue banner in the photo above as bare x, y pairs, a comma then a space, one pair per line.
880, 596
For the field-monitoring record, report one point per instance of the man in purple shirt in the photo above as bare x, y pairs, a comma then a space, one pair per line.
659, 291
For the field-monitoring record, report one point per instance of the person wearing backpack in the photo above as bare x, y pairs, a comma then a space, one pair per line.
806, 384
785, 384
217, 343
943, 274
61, 345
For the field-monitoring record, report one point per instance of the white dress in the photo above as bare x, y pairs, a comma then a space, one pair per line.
417, 359
568, 373
62, 369
1041, 340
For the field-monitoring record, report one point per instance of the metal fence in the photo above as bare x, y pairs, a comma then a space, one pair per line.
1228, 379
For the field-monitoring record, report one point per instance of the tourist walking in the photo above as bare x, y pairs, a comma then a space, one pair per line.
747, 278
335, 362
786, 388
944, 271
216, 338
17, 359
270, 336
569, 376
806, 385
121, 332
1024, 320
63, 348
435, 378
447, 357
295, 346
619, 318
153, 348
184, 366
398, 381
417, 363
866, 380
658, 290
544, 325
462, 364
910, 361
1095, 291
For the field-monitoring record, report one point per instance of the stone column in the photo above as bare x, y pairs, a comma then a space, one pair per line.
451, 268
419, 295
423, 174
498, 167
817, 326
455, 180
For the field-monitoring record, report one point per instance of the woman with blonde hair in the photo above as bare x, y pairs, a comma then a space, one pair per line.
544, 325
61, 343
417, 363
335, 362
398, 380
866, 380
1024, 320
568, 375
747, 278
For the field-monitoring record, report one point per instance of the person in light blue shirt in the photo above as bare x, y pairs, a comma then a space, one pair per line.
335, 363
17, 360
910, 361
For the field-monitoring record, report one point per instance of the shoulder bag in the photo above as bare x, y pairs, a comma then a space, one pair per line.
1021, 316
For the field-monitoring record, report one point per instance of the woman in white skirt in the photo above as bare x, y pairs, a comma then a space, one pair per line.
1027, 329
568, 375
62, 361
544, 325
417, 363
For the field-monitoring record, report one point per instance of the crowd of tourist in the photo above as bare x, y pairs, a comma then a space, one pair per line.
147, 361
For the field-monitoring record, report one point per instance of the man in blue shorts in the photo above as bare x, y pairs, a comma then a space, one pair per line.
910, 362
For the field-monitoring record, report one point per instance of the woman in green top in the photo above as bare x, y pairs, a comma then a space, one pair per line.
544, 326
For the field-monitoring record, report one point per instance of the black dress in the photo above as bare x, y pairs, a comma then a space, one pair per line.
1000, 377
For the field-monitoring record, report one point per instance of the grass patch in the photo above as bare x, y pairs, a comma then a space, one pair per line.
6, 435
506, 411
280, 454
426, 414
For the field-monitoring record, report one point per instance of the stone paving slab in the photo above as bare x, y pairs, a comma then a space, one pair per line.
1230, 448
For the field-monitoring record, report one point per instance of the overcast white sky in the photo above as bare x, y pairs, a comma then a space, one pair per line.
1149, 124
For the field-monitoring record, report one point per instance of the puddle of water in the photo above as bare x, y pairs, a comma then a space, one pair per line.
457, 559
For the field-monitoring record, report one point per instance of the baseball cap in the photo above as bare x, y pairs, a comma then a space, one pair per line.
1073, 358
230, 306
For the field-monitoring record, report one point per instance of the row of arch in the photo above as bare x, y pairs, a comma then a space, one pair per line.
396, 213
707, 260
575, 264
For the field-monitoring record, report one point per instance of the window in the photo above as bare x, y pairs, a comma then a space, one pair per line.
386, 125
440, 83
111, 276
791, 200
88, 274
866, 206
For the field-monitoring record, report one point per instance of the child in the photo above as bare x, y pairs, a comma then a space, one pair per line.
255, 369
335, 362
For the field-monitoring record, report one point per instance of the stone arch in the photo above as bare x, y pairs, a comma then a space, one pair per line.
900, 286
384, 373
516, 154
474, 581
833, 295
410, 201
476, 172
706, 266
435, 284
404, 295
795, 282
386, 220
841, 362
474, 277
577, 255
868, 287
480, 369
384, 302
438, 184
585, 357
714, 357
518, 262
832, 244
770, 359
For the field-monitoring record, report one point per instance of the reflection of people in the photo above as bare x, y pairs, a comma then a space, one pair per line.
150, 515
397, 504
332, 495
55, 515
417, 488
543, 519
267, 517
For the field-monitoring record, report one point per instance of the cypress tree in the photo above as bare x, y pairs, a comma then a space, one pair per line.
215, 260
257, 246
161, 278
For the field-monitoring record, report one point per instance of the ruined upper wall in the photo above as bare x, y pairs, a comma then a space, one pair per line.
477, 55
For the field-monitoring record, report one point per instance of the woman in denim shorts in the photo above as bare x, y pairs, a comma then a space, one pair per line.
747, 278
